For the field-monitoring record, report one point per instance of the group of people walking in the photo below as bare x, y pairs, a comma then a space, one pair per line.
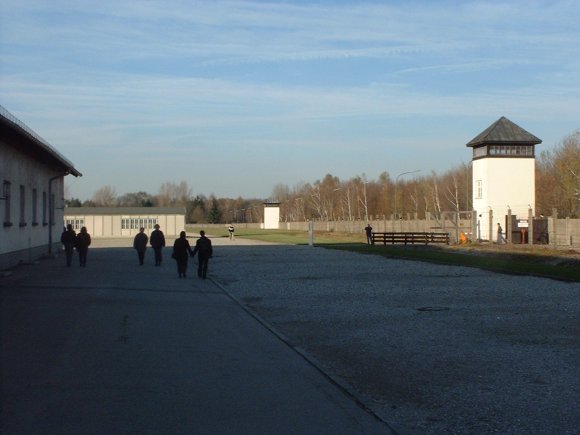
71, 240
182, 251
181, 248
157, 241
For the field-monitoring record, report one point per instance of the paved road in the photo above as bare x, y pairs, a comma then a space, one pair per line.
119, 348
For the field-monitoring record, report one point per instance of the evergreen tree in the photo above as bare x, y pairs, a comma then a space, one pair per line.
215, 214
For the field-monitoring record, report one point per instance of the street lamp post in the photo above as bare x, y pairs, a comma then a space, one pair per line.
366, 207
396, 184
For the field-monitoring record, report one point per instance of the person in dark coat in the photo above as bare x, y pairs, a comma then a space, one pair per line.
203, 246
68, 239
82, 244
157, 240
181, 253
140, 244
369, 231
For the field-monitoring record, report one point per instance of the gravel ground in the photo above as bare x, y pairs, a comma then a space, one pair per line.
430, 348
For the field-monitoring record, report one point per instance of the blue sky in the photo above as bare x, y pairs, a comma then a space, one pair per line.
235, 97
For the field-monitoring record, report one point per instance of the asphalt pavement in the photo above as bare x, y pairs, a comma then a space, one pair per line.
119, 348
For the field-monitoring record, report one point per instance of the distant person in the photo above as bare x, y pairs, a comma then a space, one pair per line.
203, 246
68, 239
140, 244
500, 239
231, 231
157, 240
82, 244
181, 253
369, 231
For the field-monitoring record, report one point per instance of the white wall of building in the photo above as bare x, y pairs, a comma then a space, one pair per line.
498, 183
27, 234
271, 217
110, 225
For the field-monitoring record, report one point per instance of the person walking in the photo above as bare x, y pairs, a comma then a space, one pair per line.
82, 244
203, 246
157, 240
231, 231
369, 231
68, 239
181, 253
500, 239
140, 244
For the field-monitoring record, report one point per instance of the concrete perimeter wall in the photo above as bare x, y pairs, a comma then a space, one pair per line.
562, 232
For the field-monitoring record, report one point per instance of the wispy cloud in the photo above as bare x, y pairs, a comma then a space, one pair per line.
173, 78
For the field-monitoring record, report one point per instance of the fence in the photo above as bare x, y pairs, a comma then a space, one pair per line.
452, 222
562, 232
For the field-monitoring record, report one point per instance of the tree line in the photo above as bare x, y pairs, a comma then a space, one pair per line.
199, 208
359, 198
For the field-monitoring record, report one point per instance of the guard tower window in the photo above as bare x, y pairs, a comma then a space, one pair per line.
480, 151
511, 150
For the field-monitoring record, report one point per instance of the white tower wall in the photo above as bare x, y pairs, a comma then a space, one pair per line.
271, 217
499, 183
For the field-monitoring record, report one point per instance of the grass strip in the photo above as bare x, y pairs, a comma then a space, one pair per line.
539, 262
511, 263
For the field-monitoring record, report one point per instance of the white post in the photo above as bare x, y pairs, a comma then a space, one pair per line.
530, 226
509, 226
310, 233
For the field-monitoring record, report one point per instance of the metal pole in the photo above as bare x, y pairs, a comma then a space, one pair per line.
51, 211
397, 182
530, 226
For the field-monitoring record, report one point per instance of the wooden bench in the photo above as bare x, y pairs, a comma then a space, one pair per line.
409, 238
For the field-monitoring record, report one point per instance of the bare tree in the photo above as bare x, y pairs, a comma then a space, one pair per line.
435, 197
558, 179
452, 192
106, 196
171, 194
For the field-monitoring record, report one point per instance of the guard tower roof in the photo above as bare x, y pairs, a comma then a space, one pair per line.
504, 131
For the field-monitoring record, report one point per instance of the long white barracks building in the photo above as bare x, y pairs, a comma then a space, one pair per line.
32, 189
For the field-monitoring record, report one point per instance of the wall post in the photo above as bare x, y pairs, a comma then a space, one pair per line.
530, 227
509, 226
554, 233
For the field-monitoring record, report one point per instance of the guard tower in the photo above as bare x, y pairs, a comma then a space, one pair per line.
503, 175
271, 215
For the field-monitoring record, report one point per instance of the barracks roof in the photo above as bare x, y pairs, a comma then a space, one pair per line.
125, 211
503, 131
19, 135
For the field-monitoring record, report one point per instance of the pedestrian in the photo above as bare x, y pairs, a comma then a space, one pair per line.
157, 240
231, 231
500, 239
140, 244
203, 246
369, 231
68, 239
82, 244
181, 253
